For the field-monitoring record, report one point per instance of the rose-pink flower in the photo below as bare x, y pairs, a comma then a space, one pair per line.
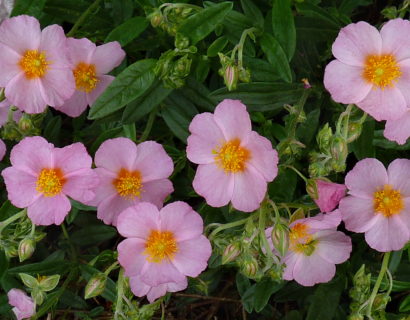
42, 176
24, 306
372, 68
140, 289
398, 130
235, 163
379, 203
328, 194
34, 69
129, 174
163, 246
90, 63
315, 247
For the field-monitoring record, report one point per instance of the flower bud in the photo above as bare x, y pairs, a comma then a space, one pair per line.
355, 316
10, 251
95, 285
156, 18
26, 248
380, 302
249, 267
354, 131
244, 75
231, 252
339, 149
181, 42
280, 238
311, 189
306, 83
323, 137
182, 67
25, 124
231, 76
38, 296
317, 169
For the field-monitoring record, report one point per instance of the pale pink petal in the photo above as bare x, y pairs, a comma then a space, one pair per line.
399, 176
109, 209
21, 187
79, 50
154, 274
138, 287
21, 33
105, 188
405, 213
322, 221
398, 130
329, 195
138, 221
355, 42
80, 185
102, 84
107, 56
290, 261
49, 210
333, 246
384, 104
403, 82
366, 177
157, 292
205, 138
233, 119
3, 149
32, 100
74, 106
155, 192
182, 220
57, 86
395, 36
116, 154
214, 184
263, 157
8, 65
72, 158
249, 190
357, 213
54, 45
345, 82
24, 306
4, 111
387, 234
310, 270
192, 256
152, 161
130, 256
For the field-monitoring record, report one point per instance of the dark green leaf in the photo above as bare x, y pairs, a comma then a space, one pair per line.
128, 31
30, 7
52, 129
217, 46
283, 26
253, 12
199, 25
7, 210
4, 263
129, 85
363, 146
43, 268
284, 186
405, 304
313, 11
93, 235
242, 283
263, 290
248, 299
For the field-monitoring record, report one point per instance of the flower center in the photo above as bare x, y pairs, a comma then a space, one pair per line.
50, 182
381, 70
231, 156
85, 77
388, 201
300, 240
160, 245
34, 64
128, 184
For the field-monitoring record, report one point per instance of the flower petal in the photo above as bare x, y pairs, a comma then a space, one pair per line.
102, 84
398, 130
80, 186
130, 256
8, 65
72, 158
310, 270
21, 187
357, 213
116, 154
156, 192
49, 210
395, 36
74, 106
333, 246
107, 56
154, 274
109, 209
399, 176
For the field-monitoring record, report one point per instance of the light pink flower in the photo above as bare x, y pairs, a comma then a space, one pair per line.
4, 112
328, 194
162, 247
42, 176
235, 163
398, 130
315, 247
24, 306
379, 203
130, 174
89, 65
372, 68
141, 289
3, 149
34, 69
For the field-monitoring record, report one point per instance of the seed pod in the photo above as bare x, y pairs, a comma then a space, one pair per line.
26, 248
231, 252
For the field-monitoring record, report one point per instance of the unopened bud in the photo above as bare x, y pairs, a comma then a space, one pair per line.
244, 75
380, 302
156, 18
354, 131
25, 124
10, 251
323, 137
280, 238
182, 67
231, 76
231, 252
317, 169
26, 248
311, 189
355, 316
95, 285
249, 267
339, 149
181, 42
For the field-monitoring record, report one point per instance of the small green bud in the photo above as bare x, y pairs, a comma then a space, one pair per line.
26, 248
231, 77
249, 267
390, 12
280, 238
317, 169
181, 42
156, 18
38, 296
185, 12
244, 75
182, 67
380, 302
355, 316
339, 149
231, 252
95, 285
10, 251
324, 136
25, 124
354, 131
311, 189
10, 132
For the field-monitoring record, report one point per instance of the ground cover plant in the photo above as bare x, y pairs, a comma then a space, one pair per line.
205, 159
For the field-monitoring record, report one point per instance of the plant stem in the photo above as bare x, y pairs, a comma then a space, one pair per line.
376, 287
296, 170
83, 17
148, 127
111, 267
227, 226
17, 216
120, 292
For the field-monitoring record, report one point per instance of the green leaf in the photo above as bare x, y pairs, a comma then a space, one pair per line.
363, 147
405, 304
128, 31
43, 268
30, 7
130, 84
4, 263
92, 235
276, 56
284, 186
217, 46
29, 281
52, 129
263, 290
320, 14
253, 12
283, 25
201, 24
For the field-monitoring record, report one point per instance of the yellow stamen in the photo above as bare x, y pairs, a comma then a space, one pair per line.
231, 156
160, 245
85, 77
50, 182
34, 64
388, 201
301, 240
128, 184
381, 70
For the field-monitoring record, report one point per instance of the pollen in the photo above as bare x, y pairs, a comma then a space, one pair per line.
128, 184
231, 156
160, 245
85, 77
388, 201
34, 64
50, 182
381, 70
300, 240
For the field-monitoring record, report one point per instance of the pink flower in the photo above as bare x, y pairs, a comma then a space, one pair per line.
141, 289
162, 247
89, 66
235, 163
372, 68
4, 112
398, 130
379, 203
315, 247
24, 306
3, 149
130, 174
328, 194
33, 64
42, 176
